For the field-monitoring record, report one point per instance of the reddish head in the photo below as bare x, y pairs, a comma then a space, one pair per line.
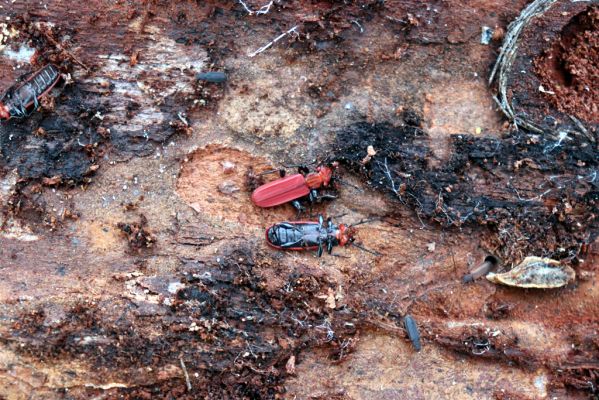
345, 234
4, 111
322, 176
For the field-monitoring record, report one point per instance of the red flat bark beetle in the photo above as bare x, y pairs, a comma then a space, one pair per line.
312, 235
293, 187
21, 99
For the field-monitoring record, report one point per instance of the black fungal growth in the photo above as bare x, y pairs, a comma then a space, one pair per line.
63, 143
221, 321
522, 186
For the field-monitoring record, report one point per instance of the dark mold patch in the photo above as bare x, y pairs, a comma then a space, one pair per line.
537, 195
224, 324
64, 143
139, 237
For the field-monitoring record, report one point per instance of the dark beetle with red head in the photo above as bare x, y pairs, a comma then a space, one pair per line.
309, 235
312, 235
21, 99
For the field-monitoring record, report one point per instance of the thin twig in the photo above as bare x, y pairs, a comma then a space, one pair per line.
358, 25
401, 21
262, 10
268, 45
582, 128
507, 55
187, 381
390, 178
59, 47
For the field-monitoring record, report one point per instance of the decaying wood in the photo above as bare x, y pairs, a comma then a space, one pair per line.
133, 263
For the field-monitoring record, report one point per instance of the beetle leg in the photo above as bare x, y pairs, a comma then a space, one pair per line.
297, 205
320, 221
282, 173
272, 171
311, 198
35, 104
326, 197
302, 169
20, 111
300, 209
320, 250
329, 245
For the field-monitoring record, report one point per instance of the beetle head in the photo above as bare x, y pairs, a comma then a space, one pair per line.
345, 234
4, 112
326, 173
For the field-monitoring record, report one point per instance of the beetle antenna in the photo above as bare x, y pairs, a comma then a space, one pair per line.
337, 216
339, 255
300, 165
349, 184
364, 221
272, 171
374, 253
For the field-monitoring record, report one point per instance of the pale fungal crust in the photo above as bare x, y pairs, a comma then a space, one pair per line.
5, 34
536, 272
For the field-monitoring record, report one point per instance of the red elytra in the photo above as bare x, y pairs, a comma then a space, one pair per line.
281, 191
292, 187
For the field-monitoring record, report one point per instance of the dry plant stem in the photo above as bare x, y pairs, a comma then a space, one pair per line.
506, 58
582, 128
187, 381
262, 10
268, 45
391, 181
59, 46
396, 190
503, 66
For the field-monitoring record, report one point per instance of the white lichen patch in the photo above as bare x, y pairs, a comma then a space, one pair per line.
22, 55
15, 230
6, 33
540, 383
536, 272
11, 228
174, 287
163, 69
7, 186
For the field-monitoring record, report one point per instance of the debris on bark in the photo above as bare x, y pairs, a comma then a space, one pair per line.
536, 272
214, 77
569, 68
449, 196
487, 266
103, 295
137, 234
